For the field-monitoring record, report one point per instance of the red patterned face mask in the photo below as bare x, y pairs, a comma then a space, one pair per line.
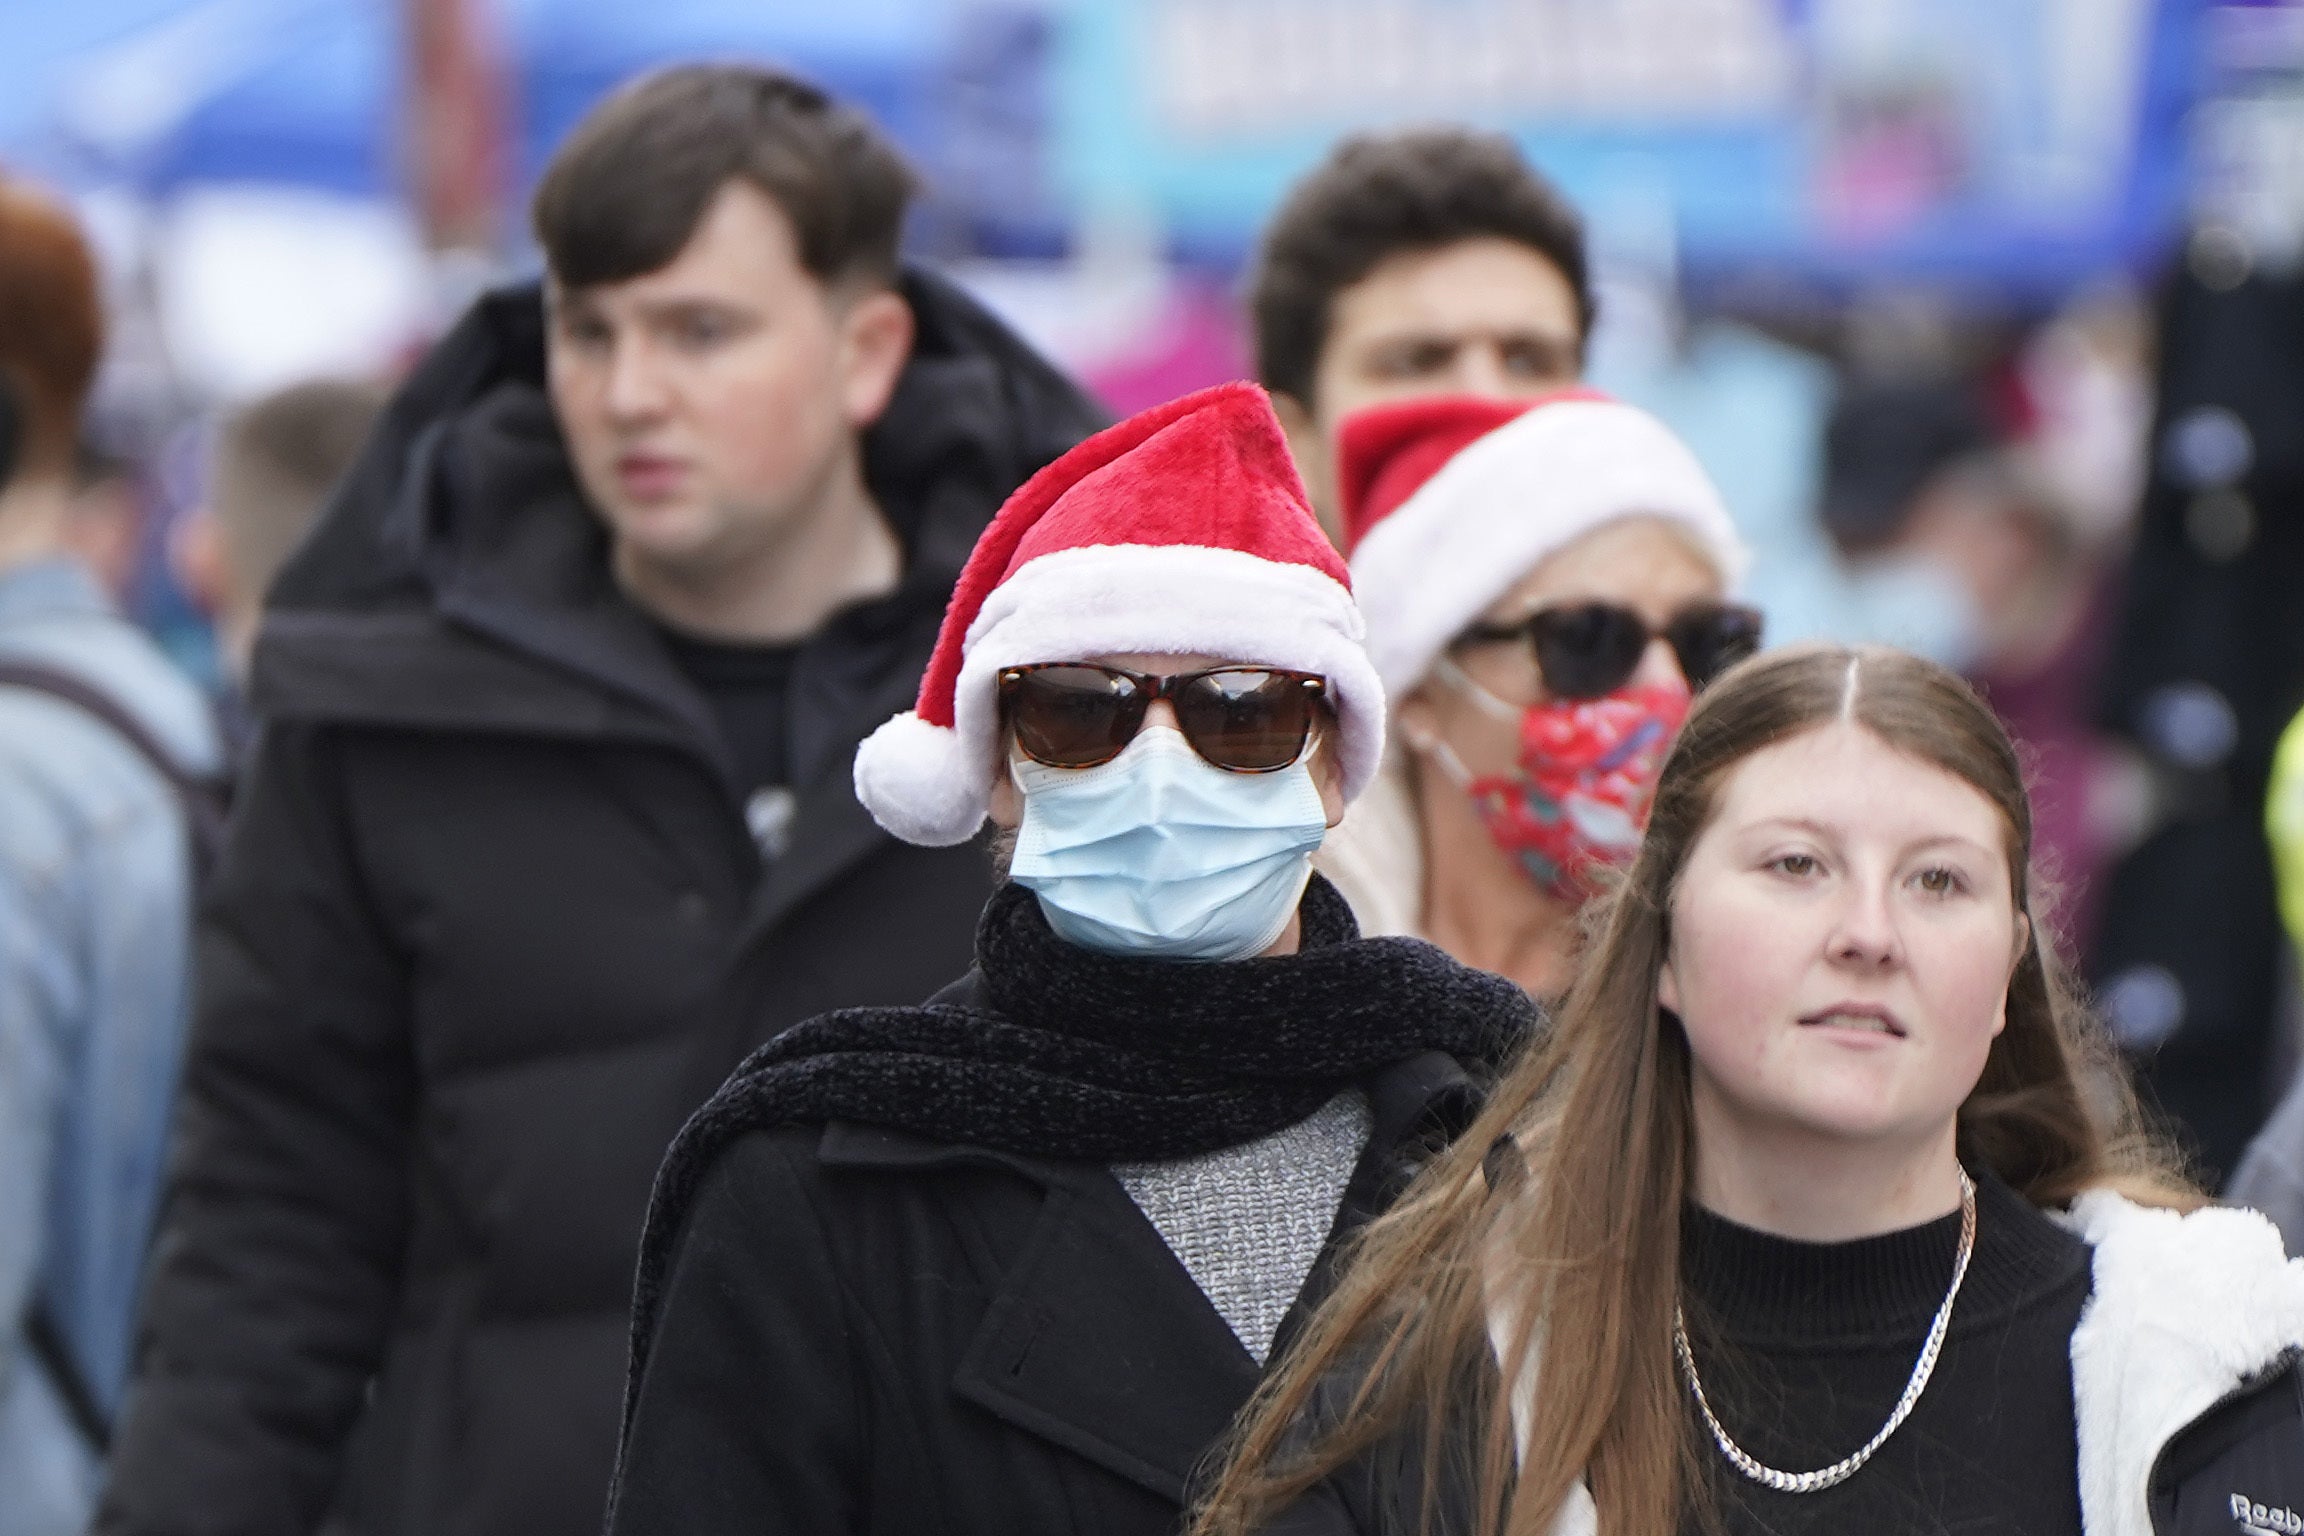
1577, 800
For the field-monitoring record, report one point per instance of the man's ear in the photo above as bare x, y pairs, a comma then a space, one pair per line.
1328, 775
1308, 445
876, 333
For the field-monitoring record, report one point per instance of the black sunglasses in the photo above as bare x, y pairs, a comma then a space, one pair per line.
1070, 714
1585, 650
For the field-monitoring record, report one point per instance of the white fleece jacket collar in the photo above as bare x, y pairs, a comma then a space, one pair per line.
2185, 1309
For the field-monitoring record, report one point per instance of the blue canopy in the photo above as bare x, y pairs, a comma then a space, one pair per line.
163, 93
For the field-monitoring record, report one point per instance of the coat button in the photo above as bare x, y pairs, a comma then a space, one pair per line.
691, 907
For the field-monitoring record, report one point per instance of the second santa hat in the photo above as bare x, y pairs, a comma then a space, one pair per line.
1450, 500
1183, 530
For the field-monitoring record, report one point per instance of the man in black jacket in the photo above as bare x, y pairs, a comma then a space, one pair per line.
551, 820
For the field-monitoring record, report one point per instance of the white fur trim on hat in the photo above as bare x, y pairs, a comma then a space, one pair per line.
1492, 513
931, 786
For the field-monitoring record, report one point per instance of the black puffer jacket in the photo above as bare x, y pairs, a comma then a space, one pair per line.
489, 926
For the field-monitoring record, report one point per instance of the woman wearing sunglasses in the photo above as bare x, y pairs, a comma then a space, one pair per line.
1545, 585
1012, 1260
1822, 1207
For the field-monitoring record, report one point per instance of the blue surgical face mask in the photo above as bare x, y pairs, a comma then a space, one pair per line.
1160, 853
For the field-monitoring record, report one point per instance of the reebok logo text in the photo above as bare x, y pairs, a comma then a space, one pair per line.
2265, 1517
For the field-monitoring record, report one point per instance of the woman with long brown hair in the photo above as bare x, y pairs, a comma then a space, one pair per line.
1820, 1207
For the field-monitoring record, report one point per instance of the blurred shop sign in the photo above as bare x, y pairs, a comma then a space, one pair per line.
2002, 139
2248, 144
161, 95
1221, 67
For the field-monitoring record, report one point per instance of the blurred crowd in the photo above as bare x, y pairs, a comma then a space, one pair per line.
418, 794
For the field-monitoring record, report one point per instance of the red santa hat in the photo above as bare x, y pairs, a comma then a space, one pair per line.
1183, 530
1449, 501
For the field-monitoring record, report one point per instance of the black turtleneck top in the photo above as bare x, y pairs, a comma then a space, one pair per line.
1804, 1349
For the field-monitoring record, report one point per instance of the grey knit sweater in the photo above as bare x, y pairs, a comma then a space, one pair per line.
1247, 1222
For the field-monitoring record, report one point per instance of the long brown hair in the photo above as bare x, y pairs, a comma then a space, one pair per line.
1573, 1244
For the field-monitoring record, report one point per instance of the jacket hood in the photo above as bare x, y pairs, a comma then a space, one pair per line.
458, 579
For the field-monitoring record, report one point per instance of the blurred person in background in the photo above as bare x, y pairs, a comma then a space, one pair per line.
96, 870
1432, 261
551, 819
1924, 465
1765, 417
2039, 655
274, 463
1010, 1262
1544, 584
2206, 669
1895, 428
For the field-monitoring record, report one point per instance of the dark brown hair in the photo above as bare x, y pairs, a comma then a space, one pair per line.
1581, 1241
51, 325
625, 191
1377, 196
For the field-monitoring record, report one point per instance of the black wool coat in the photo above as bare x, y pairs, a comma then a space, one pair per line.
868, 1331
489, 926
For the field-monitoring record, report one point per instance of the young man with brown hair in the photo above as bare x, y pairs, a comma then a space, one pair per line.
95, 898
1421, 262
551, 820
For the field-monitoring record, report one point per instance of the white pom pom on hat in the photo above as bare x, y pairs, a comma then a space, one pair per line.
1182, 530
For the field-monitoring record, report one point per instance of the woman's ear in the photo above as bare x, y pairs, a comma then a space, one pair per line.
2024, 940
1667, 980
1415, 721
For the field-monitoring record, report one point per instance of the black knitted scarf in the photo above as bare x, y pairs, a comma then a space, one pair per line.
1065, 1053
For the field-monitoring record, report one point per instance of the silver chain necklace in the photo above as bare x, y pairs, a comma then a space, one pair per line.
1845, 1468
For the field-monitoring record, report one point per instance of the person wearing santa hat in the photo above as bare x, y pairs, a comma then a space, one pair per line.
1544, 583
1013, 1259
